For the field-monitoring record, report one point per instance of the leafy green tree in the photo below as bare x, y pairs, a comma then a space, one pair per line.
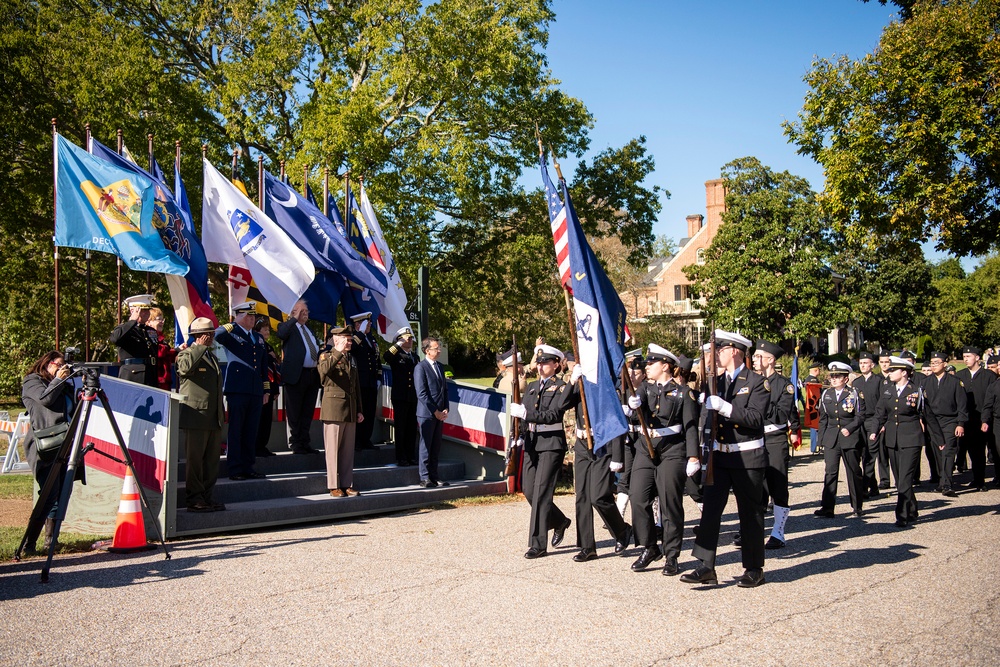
766, 272
905, 6
957, 318
908, 135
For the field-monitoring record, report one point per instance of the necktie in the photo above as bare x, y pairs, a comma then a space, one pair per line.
311, 344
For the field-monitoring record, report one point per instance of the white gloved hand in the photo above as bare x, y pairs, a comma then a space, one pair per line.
634, 402
692, 468
701, 398
577, 374
517, 410
615, 466
627, 410
720, 405
519, 442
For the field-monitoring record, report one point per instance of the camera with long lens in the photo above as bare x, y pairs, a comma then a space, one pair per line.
91, 376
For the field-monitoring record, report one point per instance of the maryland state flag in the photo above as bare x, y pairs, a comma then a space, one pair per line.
242, 288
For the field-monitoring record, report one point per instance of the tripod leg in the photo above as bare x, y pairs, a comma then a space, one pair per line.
128, 461
39, 512
75, 459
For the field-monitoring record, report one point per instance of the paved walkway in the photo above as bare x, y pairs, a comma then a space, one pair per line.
449, 586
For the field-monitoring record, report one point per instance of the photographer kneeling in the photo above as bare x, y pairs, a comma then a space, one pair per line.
49, 400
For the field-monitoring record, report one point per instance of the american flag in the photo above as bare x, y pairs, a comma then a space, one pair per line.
557, 218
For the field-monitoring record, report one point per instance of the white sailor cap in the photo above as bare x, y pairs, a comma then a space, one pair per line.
900, 362
361, 316
838, 368
509, 359
657, 353
548, 353
245, 307
731, 339
139, 301
404, 332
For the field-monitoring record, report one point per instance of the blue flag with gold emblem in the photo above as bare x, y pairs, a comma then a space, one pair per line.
102, 207
600, 333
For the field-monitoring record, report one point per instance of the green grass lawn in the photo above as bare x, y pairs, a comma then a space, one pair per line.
19, 487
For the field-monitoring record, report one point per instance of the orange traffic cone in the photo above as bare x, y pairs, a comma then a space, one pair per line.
130, 531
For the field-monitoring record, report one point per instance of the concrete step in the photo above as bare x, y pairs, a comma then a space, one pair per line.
313, 482
286, 462
322, 507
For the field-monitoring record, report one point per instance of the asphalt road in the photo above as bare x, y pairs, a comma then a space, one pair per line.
450, 587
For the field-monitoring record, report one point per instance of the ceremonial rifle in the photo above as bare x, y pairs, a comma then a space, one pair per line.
713, 390
629, 390
510, 465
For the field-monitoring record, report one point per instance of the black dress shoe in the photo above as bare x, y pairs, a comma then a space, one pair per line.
585, 555
670, 568
900, 523
442, 483
774, 543
621, 543
238, 478
255, 475
304, 452
200, 507
884, 484
559, 533
533, 553
826, 514
428, 483
738, 541
751, 579
948, 493
648, 555
702, 575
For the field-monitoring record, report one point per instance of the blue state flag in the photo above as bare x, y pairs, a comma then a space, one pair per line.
600, 333
329, 251
100, 206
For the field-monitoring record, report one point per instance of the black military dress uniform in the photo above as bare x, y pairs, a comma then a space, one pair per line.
837, 412
976, 386
671, 412
945, 401
369, 365
899, 412
869, 389
739, 460
137, 345
545, 403
404, 402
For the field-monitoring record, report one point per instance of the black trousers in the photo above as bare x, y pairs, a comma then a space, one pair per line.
264, 428
538, 480
931, 460
883, 459
594, 484
851, 456
404, 419
869, 457
748, 487
663, 479
241, 439
300, 407
430, 448
994, 444
904, 463
944, 443
975, 444
625, 476
776, 473
369, 402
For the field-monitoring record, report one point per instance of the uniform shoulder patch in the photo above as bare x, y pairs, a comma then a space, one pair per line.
767, 385
561, 389
790, 389
961, 384
692, 395
861, 395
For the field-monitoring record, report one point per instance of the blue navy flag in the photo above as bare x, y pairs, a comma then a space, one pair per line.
600, 333
795, 376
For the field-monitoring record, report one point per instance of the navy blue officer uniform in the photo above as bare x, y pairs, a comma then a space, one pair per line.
900, 412
671, 412
739, 461
545, 402
946, 410
838, 412
404, 397
244, 387
869, 389
137, 345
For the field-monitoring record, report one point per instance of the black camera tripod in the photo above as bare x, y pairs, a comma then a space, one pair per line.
70, 458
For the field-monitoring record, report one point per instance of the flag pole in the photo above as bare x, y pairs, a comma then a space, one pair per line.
86, 254
260, 179
305, 179
149, 149
118, 260
55, 188
326, 212
281, 168
571, 317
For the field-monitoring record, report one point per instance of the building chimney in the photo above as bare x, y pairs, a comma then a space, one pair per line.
694, 224
715, 204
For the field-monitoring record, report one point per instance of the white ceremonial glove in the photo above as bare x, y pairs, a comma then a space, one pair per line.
577, 374
519, 442
701, 398
634, 402
615, 466
692, 468
720, 405
517, 410
627, 410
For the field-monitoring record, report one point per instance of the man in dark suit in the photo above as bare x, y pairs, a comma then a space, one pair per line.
243, 387
946, 416
403, 361
369, 365
739, 460
432, 410
300, 354
202, 415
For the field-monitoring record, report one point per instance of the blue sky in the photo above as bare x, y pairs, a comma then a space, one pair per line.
704, 82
